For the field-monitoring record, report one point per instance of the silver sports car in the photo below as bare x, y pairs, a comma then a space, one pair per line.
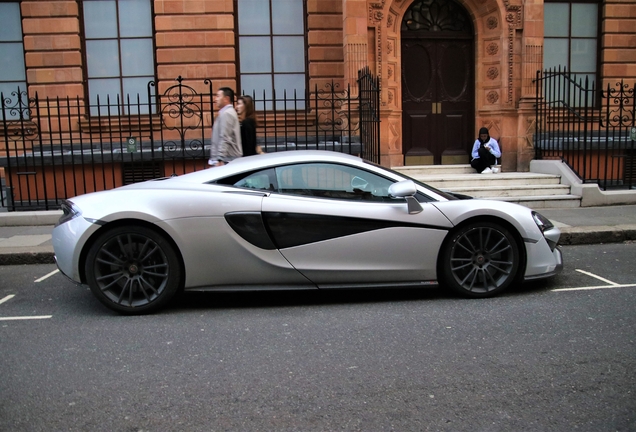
295, 220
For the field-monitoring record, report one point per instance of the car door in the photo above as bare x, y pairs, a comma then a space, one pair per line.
337, 225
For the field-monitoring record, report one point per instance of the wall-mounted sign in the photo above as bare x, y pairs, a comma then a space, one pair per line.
132, 145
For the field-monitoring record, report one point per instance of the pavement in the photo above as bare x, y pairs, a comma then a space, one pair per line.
25, 237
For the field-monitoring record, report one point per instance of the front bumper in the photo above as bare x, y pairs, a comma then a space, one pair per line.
558, 266
68, 241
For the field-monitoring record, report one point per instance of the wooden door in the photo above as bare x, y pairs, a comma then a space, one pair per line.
437, 99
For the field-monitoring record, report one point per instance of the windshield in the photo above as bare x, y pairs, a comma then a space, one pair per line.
447, 195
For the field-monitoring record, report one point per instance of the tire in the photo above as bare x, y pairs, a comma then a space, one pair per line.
480, 260
133, 270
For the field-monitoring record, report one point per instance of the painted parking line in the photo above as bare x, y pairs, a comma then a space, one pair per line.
609, 283
597, 277
7, 298
26, 318
47, 276
18, 318
595, 287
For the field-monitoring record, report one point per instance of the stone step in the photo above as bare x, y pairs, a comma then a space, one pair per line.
449, 180
512, 190
532, 190
548, 201
417, 170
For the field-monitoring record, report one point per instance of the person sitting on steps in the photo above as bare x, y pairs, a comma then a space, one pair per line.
485, 153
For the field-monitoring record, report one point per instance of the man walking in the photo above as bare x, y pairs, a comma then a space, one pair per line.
226, 132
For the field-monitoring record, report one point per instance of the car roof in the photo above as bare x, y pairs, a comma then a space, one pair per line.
255, 162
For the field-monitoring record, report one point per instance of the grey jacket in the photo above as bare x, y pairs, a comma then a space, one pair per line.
226, 136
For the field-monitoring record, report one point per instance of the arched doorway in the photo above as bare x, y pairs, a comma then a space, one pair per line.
438, 97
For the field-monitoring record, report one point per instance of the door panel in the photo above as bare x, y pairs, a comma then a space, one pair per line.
419, 130
453, 128
393, 246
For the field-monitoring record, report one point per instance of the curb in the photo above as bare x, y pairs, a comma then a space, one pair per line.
32, 218
24, 258
597, 234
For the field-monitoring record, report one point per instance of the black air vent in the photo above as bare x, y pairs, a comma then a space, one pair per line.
141, 171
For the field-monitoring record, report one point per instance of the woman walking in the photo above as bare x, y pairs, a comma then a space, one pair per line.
247, 117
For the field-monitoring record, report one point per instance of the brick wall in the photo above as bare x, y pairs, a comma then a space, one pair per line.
52, 48
325, 40
195, 40
618, 58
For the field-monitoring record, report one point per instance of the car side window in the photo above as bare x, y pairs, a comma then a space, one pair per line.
260, 180
332, 181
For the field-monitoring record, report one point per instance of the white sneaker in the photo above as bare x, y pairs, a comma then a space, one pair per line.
487, 171
495, 170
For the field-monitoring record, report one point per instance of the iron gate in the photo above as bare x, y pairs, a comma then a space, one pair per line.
591, 129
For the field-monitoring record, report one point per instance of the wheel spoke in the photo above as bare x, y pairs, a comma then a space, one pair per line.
505, 248
122, 248
472, 272
111, 275
156, 266
504, 271
471, 250
118, 260
468, 264
123, 291
488, 276
148, 254
143, 281
143, 290
114, 282
485, 243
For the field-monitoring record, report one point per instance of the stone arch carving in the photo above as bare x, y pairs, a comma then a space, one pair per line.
494, 60
495, 23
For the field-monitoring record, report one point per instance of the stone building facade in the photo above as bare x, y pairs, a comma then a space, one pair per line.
482, 54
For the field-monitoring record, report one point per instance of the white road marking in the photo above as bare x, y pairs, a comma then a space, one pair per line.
36, 317
26, 318
7, 298
47, 276
594, 287
597, 277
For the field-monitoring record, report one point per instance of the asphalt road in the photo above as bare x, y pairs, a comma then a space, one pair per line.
537, 358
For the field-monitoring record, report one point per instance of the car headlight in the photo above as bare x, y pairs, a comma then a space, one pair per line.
545, 225
69, 212
542, 222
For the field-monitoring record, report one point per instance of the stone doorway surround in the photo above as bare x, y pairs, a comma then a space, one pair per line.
504, 94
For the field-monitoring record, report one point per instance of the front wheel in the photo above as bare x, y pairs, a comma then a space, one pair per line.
133, 270
480, 260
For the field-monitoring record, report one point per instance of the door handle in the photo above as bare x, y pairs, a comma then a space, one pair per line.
437, 107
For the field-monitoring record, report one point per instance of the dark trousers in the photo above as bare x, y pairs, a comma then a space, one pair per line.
485, 160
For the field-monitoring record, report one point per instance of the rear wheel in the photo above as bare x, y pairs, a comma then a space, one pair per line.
133, 270
480, 260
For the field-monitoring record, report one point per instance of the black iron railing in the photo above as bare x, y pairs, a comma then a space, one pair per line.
55, 148
591, 129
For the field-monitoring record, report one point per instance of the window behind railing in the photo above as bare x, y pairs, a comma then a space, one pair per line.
571, 41
271, 40
119, 53
12, 70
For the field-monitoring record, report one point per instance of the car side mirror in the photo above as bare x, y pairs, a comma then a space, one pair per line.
406, 189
